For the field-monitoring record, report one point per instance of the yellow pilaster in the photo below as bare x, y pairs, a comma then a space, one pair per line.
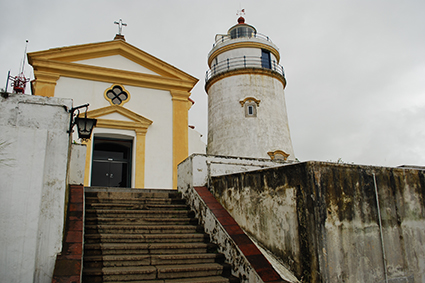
88, 162
45, 83
180, 130
140, 158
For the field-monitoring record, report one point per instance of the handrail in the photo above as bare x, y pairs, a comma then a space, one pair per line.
226, 37
242, 63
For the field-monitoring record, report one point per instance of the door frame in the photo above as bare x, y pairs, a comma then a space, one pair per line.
129, 160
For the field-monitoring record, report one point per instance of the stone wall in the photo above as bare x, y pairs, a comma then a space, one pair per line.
33, 131
323, 221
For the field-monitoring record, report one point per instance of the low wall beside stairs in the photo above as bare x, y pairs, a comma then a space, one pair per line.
248, 263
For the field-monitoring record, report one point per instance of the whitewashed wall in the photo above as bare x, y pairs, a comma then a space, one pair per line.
230, 133
116, 62
32, 188
196, 145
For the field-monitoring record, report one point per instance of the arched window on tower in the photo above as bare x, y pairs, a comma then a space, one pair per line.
250, 109
250, 104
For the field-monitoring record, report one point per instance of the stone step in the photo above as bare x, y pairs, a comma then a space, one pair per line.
135, 194
142, 229
209, 279
142, 248
140, 220
189, 270
118, 274
113, 213
129, 206
146, 238
130, 273
99, 261
90, 200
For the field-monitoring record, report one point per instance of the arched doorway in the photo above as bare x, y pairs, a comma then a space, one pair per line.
111, 165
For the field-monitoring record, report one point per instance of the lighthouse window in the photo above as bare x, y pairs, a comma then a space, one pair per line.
242, 31
265, 59
250, 109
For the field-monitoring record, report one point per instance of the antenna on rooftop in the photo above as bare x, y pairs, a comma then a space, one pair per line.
19, 82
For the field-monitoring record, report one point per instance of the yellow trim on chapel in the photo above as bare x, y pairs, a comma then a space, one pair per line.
139, 125
123, 89
109, 48
87, 167
180, 130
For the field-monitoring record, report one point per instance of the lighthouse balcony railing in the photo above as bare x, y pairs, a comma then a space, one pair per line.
243, 63
249, 35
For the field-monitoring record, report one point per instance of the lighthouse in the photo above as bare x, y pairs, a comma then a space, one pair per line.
245, 84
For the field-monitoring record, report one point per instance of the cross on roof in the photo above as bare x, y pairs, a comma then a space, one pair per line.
120, 25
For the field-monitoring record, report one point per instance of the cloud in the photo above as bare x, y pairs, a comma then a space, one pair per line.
355, 69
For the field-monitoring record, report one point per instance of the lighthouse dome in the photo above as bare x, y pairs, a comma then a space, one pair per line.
242, 30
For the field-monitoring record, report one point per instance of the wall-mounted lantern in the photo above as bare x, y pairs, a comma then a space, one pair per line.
84, 125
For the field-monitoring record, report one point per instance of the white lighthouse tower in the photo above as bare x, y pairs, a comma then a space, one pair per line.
246, 101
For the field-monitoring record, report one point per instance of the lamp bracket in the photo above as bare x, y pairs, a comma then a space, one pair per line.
75, 115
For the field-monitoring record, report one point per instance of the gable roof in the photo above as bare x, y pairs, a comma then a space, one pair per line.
62, 61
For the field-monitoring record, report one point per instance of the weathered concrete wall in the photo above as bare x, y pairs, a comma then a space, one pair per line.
32, 187
322, 219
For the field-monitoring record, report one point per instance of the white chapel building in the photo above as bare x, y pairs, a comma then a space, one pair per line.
141, 104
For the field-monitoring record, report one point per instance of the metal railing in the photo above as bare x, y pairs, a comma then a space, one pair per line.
242, 63
227, 37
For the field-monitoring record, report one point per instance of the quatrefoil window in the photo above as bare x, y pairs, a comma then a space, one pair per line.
117, 95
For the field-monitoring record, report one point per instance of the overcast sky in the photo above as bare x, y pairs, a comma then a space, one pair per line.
355, 69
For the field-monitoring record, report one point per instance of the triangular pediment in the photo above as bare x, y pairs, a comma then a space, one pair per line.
118, 117
100, 61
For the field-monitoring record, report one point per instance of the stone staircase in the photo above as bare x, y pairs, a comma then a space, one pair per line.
146, 236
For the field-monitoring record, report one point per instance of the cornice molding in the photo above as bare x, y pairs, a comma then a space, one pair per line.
180, 95
257, 101
46, 77
87, 72
138, 123
243, 44
245, 71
